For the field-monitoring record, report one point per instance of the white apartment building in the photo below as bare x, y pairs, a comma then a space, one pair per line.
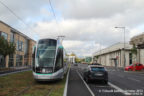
114, 55
139, 42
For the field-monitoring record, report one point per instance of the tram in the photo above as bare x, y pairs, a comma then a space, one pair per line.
49, 60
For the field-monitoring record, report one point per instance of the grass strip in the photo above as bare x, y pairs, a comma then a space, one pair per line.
23, 84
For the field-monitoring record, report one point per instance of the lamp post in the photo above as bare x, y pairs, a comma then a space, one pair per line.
124, 44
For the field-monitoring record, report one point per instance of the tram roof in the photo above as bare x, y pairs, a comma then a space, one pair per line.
48, 39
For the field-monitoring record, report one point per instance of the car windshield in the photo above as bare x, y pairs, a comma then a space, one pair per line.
97, 69
46, 53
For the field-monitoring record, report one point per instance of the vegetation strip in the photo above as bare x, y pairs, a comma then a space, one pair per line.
22, 91
23, 84
49, 92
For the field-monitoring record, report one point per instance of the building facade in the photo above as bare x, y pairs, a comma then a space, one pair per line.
71, 59
24, 47
114, 55
138, 41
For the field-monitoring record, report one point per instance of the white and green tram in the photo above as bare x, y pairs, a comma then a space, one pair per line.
49, 60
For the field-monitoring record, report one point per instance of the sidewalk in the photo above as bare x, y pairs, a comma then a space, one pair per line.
14, 69
76, 86
111, 68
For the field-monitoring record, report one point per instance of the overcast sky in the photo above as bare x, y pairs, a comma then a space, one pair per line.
87, 24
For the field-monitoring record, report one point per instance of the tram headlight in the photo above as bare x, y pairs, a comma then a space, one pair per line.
43, 71
46, 70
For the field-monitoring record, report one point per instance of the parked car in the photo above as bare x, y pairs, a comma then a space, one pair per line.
135, 66
95, 72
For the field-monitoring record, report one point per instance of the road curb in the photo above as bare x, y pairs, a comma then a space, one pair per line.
140, 72
66, 84
14, 72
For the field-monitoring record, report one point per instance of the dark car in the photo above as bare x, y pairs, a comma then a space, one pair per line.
96, 64
94, 72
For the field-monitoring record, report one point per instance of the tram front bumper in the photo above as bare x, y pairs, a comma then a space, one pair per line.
48, 77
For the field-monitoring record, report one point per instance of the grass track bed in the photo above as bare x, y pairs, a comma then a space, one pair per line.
23, 84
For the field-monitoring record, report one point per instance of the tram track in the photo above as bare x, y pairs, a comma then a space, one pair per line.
22, 91
26, 89
50, 91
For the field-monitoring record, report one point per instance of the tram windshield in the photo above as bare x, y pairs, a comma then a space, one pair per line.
46, 50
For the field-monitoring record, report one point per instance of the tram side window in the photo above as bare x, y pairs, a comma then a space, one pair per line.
59, 60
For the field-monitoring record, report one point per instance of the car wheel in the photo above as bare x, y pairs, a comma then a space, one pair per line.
86, 79
105, 81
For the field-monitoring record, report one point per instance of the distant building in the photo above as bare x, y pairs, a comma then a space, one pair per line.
24, 47
114, 55
71, 58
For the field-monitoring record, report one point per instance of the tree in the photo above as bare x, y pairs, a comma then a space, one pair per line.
78, 60
6, 48
134, 50
97, 57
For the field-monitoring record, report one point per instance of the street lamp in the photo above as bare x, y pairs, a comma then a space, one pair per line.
124, 44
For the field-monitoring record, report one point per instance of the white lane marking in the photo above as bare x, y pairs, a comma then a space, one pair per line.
134, 79
86, 85
119, 89
66, 85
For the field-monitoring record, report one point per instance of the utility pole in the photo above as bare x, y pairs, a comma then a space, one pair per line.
61, 37
124, 44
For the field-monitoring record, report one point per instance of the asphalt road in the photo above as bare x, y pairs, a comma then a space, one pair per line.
99, 88
130, 82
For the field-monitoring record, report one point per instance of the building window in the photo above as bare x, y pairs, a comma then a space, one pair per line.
19, 60
5, 35
26, 47
19, 45
2, 61
130, 58
12, 37
11, 60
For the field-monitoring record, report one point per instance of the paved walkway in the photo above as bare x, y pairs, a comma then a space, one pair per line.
14, 71
76, 87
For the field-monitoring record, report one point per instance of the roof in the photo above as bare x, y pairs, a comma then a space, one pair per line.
115, 47
16, 31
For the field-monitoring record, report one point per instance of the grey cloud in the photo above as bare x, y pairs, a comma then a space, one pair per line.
86, 21
82, 9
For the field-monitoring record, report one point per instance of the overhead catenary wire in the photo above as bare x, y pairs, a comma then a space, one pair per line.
52, 9
19, 18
